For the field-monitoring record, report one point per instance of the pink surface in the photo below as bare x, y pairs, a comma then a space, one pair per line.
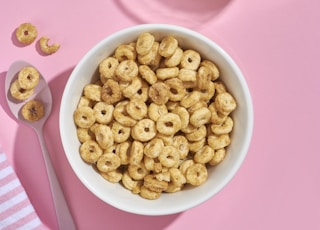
276, 44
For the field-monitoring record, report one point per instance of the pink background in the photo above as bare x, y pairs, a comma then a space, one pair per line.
275, 43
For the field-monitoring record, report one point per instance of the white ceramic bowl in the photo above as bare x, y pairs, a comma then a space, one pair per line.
219, 176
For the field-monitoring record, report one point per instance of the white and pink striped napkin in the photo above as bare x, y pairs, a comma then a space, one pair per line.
16, 210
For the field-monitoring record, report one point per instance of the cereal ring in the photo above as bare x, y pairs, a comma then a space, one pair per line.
185, 165
85, 102
204, 155
225, 127
28, 78
148, 74
198, 134
33, 110
120, 132
114, 176
182, 145
158, 167
144, 43
46, 48
216, 117
19, 93
187, 75
189, 129
220, 87
176, 177
142, 93
123, 151
176, 89
225, 103
183, 114
90, 151
149, 163
103, 112
137, 171
107, 68
215, 73
144, 130
204, 76
208, 93
200, 117
166, 73
174, 59
137, 109
218, 157
196, 174
108, 162
190, 60
198, 105
136, 153
159, 93
84, 135
155, 111
190, 99
127, 70
104, 136
148, 194
84, 117
129, 183
152, 58
153, 148
152, 183
168, 46
195, 146
26, 33
132, 88
125, 52
111, 92
167, 139
219, 142
92, 92
168, 124
120, 114
169, 157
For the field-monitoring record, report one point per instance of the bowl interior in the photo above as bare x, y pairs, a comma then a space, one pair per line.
219, 176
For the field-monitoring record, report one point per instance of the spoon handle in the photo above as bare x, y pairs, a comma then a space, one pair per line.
64, 217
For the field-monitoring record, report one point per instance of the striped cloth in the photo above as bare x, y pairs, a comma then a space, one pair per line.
16, 211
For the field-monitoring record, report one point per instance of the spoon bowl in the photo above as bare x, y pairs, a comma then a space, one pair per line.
42, 93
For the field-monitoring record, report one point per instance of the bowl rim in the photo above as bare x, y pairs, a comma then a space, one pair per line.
185, 32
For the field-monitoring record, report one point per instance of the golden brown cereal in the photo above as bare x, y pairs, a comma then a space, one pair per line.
168, 46
198, 134
177, 177
204, 155
216, 117
28, 78
218, 157
137, 109
26, 33
166, 73
155, 111
188, 75
111, 92
120, 114
92, 92
130, 183
195, 146
33, 110
153, 184
148, 74
144, 130
153, 148
190, 60
84, 117
184, 116
85, 102
132, 88
182, 145
144, 43
137, 171
108, 162
104, 136
159, 93
168, 124
125, 52
136, 153
215, 73
152, 58
127, 70
114, 176
103, 112
46, 48
90, 151
225, 127
107, 68
148, 194
123, 151
204, 76
200, 117
174, 59
120, 132
196, 174
84, 134
169, 157
225, 103
19, 93
219, 142
176, 89
190, 99
185, 165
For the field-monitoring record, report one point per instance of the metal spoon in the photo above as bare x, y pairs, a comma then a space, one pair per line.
42, 92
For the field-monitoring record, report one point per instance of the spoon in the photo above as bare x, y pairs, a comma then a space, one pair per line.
42, 93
